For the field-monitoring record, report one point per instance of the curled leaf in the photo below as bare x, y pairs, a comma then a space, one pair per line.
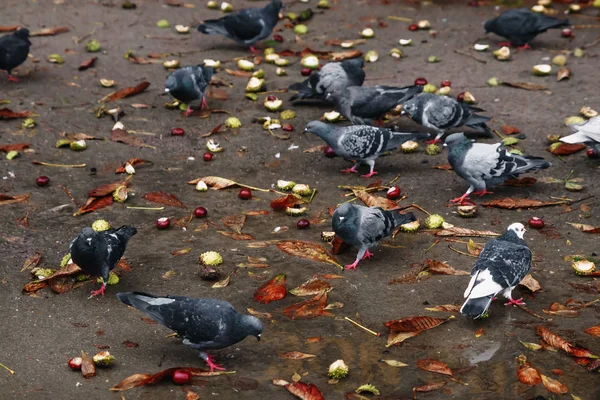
309, 250
304, 391
553, 385
526, 373
126, 92
311, 287
308, 309
375, 201
273, 290
435, 366
430, 387
164, 198
561, 344
585, 228
405, 328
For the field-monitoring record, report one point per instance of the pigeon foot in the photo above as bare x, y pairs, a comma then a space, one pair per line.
214, 366
204, 104
434, 141
351, 266
12, 78
460, 199
349, 170
188, 112
254, 50
367, 255
517, 302
370, 174
99, 292
480, 193
525, 47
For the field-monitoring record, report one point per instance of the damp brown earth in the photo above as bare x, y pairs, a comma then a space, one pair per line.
39, 334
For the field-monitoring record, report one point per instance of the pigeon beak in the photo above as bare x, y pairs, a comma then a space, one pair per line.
305, 130
403, 112
444, 145
258, 337
166, 90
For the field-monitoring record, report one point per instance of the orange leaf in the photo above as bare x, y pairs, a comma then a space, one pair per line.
105, 190
17, 146
594, 330
445, 167
281, 203
296, 355
344, 55
585, 228
375, 201
6, 113
10, 28
561, 344
164, 198
181, 251
511, 204
214, 181
190, 395
479, 333
316, 149
314, 339
257, 314
236, 236
234, 222
553, 385
50, 31
147, 379
509, 130
309, 250
435, 366
565, 149
94, 203
5, 199
430, 387
308, 309
88, 369
526, 373
128, 91
272, 290
311, 287
304, 391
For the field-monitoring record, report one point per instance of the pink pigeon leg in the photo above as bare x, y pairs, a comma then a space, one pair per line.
480, 193
434, 141
517, 302
12, 78
525, 47
353, 265
99, 292
204, 104
211, 364
188, 111
370, 174
460, 199
368, 254
254, 50
349, 170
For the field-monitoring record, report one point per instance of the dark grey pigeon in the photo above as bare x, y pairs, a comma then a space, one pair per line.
501, 265
360, 104
486, 165
188, 85
246, 26
362, 143
204, 324
441, 113
14, 49
334, 76
97, 253
365, 227
587, 132
521, 26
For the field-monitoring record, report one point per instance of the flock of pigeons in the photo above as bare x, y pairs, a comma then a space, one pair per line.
207, 324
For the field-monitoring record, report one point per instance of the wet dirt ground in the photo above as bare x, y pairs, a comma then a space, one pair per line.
39, 334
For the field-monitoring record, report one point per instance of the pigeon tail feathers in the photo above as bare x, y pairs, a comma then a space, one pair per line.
143, 302
213, 27
475, 308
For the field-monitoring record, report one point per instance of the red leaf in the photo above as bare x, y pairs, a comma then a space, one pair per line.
6, 113
430, 387
565, 149
526, 373
50, 31
95, 203
509, 130
308, 309
105, 190
164, 198
435, 366
128, 91
559, 343
87, 64
121, 136
147, 379
17, 146
304, 391
281, 203
273, 290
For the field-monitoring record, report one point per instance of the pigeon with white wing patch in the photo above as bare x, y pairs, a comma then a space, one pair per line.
501, 265
486, 165
204, 324
588, 132
98, 253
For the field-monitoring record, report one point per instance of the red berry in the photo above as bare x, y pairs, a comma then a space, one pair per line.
245, 194
445, 83
271, 98
177, 132
163, 223
536, 223
207, 157
566, 33
329, 152
413, 27
181, 377
200, 212
393, 193
278, 38
305, 71
75, 363
421, 81
42, 180
460, 97
303, 224
287, 127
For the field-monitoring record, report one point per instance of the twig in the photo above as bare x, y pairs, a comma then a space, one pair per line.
532, 313
460, 252
58, 165
586, 26
420, 208
587, 46
69, 195
431, 247
363, 327
170, 335
8, 369
145, 208
394, 180
580, 200
312, 196
464, 53
403, 19
499, 134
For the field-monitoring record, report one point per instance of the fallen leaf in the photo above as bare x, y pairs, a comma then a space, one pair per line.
256, 213
464, 232
316, 149
553, 385
5, 199
565, 149
234, 222
131, 161
394, 363
121, 136
304, 391
531, 283
526, 373
14, 147
217, 94
148, 321
273, 290
563, 73
479, 333
594, 330
512, 204
314, 339
181, 251
434, 366
559, 343
215, 182
445, 308
32, 261
405, 328
509, 130
222, 283
524, 85
335, 305
282, 203
190, 395
87, 64
147, 379
430, 387
311, 287
129, 344
105, 190
279, 382
309, 250
164, 198
6, 113
444, 167
50, 31
308, 309
344, 55
127, 92
375, 201
521, 182
93, 204
585, 228
257, 314
238, 73
441, 268
236, 236
532, 346
11, 28
338, 246
88, 369
296, 355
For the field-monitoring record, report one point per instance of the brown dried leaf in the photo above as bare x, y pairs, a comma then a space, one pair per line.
50, 31
215, 182
236, 236
532, 346
257, 314
531, 283
308, 250
585, 228
133, 162
217, 94
314, 339
311, 287
127, 92
345, 55
524, 85
375, 201
441, 268
17, 146
234, 222
405, 328
304, 391
509, 130
473, 248
464, 232
164, 198
87, 64
445, 308
296, 355
105, 190
526, 373
430, 387
6, 113
181, 251
308, 309
10, 28
479, 333
512, 204
88, 369
553, 385
594, 330
121, 136
94, 203
565, 149
559, 343
190, 395
445, 167
316, 149
434, 366
281, 203
32, 261
147, 379
563, 73
222, 283
238, 73
5, 199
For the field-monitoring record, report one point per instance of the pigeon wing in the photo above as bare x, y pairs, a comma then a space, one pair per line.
374, 225
480, 162
245, 25
361, 141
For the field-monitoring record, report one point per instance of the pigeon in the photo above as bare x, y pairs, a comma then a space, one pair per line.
246, 26
188, 85
362, 143
97, 253
442, 112
358, 104
521, 26
501, 265
588, 132
486, 165
14, 49
365, 227
334, 76
204, 324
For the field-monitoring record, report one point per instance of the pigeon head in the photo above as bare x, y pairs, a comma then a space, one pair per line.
488, 26
518, 228
171, 83
454, 139
252, 326
411, 106
355, 62
344, 213
275, 5
319, 128
88, 236
22, 33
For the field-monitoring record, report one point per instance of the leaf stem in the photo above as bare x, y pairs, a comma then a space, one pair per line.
8, 369
363, 327
145, 208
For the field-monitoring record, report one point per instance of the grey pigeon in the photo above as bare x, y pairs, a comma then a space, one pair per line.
97, 253
441, 113
334, 76
204, 324
14, 49
588, 132
358, 104
188, 85
246, 26
501, 265
486, 165
362, 143
521, 26
365, 227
